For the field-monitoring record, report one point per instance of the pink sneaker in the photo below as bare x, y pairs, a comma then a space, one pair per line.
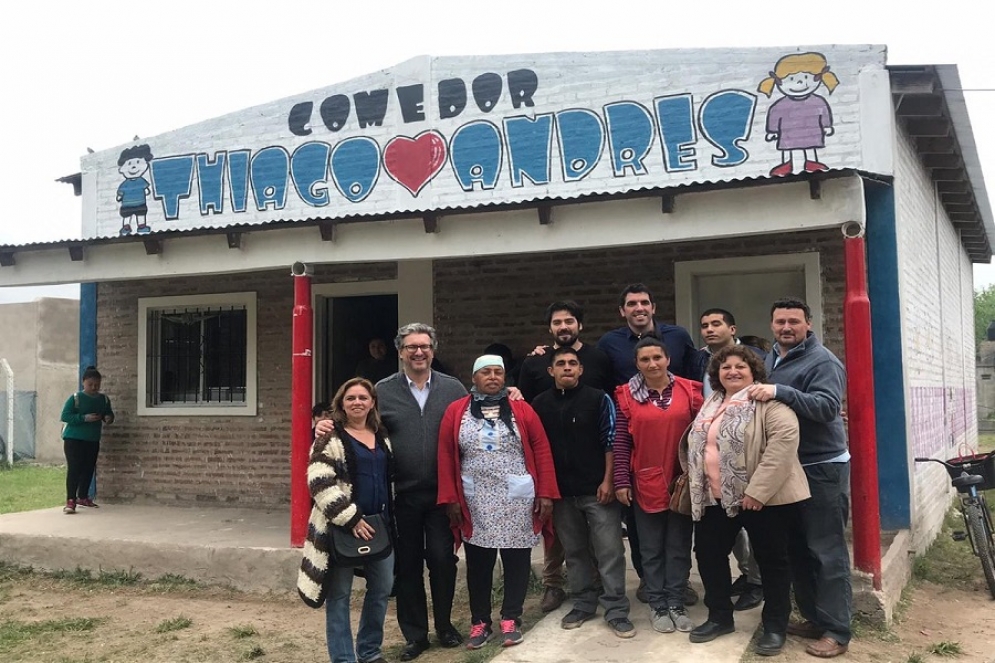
511, 632
70, 507
86, 501
479, 635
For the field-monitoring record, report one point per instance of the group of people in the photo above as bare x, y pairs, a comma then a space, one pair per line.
593, 436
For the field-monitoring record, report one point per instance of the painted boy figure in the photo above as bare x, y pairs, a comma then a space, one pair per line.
133, 191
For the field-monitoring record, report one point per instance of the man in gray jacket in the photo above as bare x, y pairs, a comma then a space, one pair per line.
412, 403
810, 380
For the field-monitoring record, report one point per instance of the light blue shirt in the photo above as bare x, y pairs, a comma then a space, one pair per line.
421, 395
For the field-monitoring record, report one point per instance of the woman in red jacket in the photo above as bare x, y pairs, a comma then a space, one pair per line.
497, 480
653, 410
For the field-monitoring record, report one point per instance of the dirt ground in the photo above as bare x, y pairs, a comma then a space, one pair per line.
45, 620
932, 616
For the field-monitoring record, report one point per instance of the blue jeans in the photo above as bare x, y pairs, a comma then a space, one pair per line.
338, 631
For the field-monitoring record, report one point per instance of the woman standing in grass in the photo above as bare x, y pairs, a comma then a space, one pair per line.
84, 415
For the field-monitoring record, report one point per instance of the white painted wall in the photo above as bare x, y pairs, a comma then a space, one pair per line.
935, 281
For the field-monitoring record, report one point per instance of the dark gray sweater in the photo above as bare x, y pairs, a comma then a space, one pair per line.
414, 434
811, 380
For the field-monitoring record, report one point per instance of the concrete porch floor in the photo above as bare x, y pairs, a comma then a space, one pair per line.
248, 549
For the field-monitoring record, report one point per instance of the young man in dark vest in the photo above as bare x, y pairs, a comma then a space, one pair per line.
580, 422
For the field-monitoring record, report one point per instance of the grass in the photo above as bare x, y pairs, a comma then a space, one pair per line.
14, 632
948, 562
29, 487
86, 579
916, 657
174, 624
252, 653
240, 631
946, 648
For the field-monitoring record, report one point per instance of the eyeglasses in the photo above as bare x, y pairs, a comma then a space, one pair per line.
416, 348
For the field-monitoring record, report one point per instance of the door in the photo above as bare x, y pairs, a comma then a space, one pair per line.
354, 327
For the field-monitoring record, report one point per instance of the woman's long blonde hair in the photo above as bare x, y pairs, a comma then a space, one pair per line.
799, 63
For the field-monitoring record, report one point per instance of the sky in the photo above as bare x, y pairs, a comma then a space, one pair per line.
81, 75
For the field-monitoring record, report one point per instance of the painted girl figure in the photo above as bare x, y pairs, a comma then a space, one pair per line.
801, 120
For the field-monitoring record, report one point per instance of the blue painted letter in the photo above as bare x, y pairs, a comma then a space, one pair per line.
475, 152
630, 134
268, 172
211, 180
582, 139
675, 117
529, 143
356, 167
726, 120
172, 178
238, 179
308, 167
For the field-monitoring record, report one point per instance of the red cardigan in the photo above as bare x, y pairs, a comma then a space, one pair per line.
538, 459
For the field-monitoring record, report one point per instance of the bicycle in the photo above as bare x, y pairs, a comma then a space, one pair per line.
970, 475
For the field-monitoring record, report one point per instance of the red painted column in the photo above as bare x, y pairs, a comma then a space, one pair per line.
301, 400
860, 408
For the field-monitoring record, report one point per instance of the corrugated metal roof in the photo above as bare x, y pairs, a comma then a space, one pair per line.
930, 104
272, 224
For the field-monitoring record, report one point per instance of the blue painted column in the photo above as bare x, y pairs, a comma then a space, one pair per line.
886, 328
88, 341
87, 326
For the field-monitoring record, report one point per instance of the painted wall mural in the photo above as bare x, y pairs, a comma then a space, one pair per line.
449, 133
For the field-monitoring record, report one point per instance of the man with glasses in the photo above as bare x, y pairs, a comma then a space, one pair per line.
412, 403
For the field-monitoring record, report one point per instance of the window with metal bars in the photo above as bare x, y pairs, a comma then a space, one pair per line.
196, 356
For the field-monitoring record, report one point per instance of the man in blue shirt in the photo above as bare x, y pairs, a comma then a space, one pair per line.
637, 308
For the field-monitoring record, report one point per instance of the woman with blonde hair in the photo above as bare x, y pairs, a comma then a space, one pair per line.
350, 479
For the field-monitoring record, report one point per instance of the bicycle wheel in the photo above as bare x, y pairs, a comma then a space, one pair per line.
982, 538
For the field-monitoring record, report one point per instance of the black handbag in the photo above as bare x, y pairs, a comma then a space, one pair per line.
349, 550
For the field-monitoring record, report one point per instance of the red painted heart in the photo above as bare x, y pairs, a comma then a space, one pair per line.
413, 162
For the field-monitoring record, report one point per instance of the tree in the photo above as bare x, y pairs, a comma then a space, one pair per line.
984, 312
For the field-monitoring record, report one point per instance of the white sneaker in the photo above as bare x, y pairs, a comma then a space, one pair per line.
661, 620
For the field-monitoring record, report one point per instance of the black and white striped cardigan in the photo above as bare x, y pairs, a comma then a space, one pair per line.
330, 478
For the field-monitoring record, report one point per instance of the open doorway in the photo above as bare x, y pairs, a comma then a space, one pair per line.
351, 326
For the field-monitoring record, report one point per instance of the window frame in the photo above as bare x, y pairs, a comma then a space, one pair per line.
248, 408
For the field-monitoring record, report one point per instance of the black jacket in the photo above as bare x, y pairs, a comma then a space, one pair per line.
580, 425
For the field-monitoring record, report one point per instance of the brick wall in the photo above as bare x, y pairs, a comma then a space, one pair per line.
479, 301
239, 460
936, 285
